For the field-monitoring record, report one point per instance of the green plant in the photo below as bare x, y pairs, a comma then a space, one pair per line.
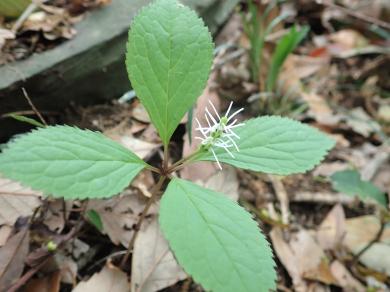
13, 8
349, 182
169, 56
258, 30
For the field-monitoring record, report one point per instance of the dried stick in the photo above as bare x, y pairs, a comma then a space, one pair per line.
35, 110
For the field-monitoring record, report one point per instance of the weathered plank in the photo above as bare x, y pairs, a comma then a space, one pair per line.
87, 69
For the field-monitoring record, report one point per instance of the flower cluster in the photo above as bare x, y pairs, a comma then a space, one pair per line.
219, 132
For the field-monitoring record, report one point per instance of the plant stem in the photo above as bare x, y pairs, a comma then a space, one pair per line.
156, 189
180, 163
166, 157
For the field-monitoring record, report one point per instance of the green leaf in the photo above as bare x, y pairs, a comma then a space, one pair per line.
169, 56
69, 162
13, 8
275, 145
95, 219
285, 46
24, 119
350, 183
215, 240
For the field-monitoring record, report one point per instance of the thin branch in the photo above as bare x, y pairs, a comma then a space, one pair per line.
355, 14
154, 192
33, 107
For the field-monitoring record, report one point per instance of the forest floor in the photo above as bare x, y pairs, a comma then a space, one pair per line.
336, 80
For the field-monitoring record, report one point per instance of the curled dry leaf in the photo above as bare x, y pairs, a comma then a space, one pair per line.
16, 201
154, 266
109, 279
13, 255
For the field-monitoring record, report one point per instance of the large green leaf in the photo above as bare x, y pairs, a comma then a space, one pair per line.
69, 162
275, 145
349, 182
215, 240
169, 56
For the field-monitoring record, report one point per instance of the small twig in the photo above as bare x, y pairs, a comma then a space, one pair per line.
33, 107
22, 18
355, 14
137, 227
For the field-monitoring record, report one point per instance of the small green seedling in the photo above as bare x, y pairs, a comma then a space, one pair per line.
257, 32
349, 182
169, 56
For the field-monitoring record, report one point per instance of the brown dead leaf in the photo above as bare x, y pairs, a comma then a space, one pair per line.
326, 169
13, 255
138, 146
331, 231
344, 277
16, 201
348, 39
5, 232
288, 259
50, 283
119, 215
224, 181
360, 231
109, 279
310, 257
140, 114
320, 110
5, 35
54, 217
154, 267
144, 182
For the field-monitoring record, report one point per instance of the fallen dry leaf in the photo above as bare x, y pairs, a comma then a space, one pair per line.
315, 266
288, 259
224, 181
16, 201
5, 232
140, 147
119, 215
332, 229
154, 266
54, 217
360, 231
319, 109
344, 277
50, 283
109, 279
13, 255
326, 169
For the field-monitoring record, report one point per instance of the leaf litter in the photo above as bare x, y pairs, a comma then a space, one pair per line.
339, 73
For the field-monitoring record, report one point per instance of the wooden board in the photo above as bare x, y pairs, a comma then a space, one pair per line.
87, 69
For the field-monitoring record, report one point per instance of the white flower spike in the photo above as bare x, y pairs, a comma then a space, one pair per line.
219, 132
